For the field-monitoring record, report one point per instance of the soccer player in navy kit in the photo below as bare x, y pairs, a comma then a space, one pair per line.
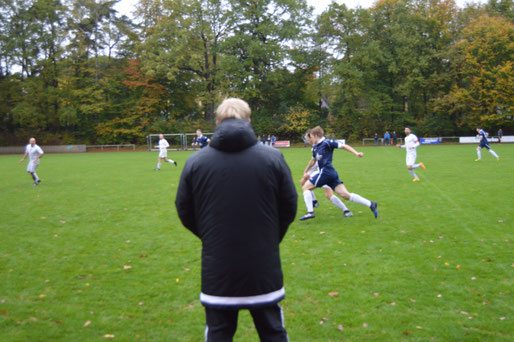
201, 140
322, 153
484, 143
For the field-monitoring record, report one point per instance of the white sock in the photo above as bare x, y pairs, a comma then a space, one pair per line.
359, 199
307, 197
313, 196
171, 161
479, 154
158, 166
415, 166
35, 175
413, 173
494, 154
338, 203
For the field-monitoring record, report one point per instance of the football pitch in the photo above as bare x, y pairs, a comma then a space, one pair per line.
97, 251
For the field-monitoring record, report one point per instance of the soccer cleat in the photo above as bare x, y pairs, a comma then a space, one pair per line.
174, 162
315, 203
415, 180
422, 165
307, 216
478, 160
347, 213
374, 208
38, 181
156, 169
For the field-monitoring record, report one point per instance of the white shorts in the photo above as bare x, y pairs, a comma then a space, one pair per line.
31, 166
411, 158
163, 154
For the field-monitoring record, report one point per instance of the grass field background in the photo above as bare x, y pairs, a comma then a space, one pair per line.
98, 250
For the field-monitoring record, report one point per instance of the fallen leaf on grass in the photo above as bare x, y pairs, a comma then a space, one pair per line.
333, 293
321, 233
42, 295
407, 332
86, 324
143, 255
412, 300
375, 294
3, 312
323, 320
464, 313
364, 325
177, 280
62, 221
418, 327
473, 278
393, 303
43, 217
141, 303
340, 327
127, 267
502, 318
439, 295
108, 336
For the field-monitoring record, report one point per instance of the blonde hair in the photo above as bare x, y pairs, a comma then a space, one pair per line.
233, 108
317, 131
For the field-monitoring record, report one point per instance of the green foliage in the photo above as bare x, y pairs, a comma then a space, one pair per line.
80, 71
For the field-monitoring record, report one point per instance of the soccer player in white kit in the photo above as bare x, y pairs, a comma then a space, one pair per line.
313, 168
34, 152
411, 144
163, 152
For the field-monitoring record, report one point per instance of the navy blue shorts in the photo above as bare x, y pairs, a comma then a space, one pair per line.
326, 177
484, 144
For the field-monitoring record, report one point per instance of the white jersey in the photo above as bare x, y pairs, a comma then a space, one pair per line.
163, 145
33, 152
411, 144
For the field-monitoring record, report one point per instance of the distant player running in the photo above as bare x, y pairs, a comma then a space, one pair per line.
201, 140
411, 144
312, 169
484, 143
34, 152
163, 152
323, 150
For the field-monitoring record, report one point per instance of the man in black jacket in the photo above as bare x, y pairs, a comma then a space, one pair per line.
247, 202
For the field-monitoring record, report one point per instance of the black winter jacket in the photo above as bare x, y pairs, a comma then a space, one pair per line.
238, 197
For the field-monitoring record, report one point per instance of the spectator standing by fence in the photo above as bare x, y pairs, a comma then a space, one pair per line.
387, 138
376, 139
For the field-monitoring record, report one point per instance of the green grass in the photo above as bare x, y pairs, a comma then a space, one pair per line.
437, 265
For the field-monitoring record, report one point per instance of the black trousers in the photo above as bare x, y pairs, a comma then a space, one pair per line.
268, 320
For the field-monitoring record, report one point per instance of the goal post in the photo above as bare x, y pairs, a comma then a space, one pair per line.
176, 141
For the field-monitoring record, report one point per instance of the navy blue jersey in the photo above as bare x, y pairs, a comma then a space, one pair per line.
202, 141
323, 151
483, 136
